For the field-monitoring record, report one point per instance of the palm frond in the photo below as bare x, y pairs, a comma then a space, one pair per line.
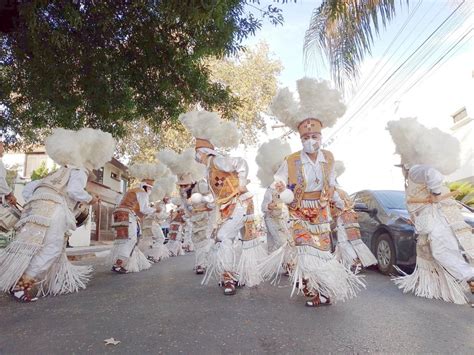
343, 31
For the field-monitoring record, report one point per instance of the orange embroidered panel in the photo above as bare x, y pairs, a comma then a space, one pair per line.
227, 211
312, 215
301, 237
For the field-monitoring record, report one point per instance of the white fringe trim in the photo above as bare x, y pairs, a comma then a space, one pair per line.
159, 251
216, 264
175, 247
343, 255
44, 196
253, 253
137, 261
116, 249
324, 274
202, 252
64, 277
432, 281
272, 267
14, 261
40, 220
363, 252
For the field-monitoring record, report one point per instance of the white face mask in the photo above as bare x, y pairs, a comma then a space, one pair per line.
311, 146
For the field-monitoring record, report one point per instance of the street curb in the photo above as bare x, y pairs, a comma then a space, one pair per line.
88, 253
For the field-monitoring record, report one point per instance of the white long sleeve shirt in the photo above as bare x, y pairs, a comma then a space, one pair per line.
4, 188
313, 173
144, 203
76, 186
424, 174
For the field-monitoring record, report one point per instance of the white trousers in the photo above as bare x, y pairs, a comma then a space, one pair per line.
52, 245
277, 232
445, 249
123, 247
227, 233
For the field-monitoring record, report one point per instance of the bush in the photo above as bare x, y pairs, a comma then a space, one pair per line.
466, 192
42, 171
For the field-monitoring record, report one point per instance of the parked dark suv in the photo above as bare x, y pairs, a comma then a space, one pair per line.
386, 228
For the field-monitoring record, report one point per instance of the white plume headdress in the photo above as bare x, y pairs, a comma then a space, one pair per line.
211, 127
164, 186
417, 144
183, 164
86, 148
148, 171
270, 156
316, 100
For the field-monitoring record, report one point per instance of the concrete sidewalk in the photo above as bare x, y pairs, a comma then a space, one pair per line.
88, 253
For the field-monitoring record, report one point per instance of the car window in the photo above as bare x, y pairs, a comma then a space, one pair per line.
367, 198
391, 200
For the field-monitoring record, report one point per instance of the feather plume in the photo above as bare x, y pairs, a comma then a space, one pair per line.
417, 144
181, 164
316, 100
209, 125
269, 157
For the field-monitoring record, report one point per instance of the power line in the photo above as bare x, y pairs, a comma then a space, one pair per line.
395, 72
374, 73
440, 59
404, 80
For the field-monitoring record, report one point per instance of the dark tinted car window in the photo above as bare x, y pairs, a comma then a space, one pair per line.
392, 200
367, 198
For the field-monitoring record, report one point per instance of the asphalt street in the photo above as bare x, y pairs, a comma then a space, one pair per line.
165, 310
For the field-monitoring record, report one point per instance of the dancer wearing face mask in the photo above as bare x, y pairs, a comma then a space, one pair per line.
126, 256
310, 175
227, 179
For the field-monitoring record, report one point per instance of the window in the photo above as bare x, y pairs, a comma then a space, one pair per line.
459, 115
114, 176
100, 176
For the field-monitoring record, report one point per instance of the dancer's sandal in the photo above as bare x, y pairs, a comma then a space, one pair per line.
152, 259
119, 269
22, 296
229, 288
471, 286
317, 302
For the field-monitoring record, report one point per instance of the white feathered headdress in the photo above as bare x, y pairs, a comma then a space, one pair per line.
148, 171
417, 144
316, 100
269, 157
183, 165
86, 148
164, 186
208, 126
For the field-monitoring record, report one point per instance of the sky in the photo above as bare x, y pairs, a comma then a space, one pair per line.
420, 88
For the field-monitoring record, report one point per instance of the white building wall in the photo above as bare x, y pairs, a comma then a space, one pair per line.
114, 184
464, 132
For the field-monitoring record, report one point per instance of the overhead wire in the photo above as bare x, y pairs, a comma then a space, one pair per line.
393, 74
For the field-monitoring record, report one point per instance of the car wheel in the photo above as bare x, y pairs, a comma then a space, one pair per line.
385, 254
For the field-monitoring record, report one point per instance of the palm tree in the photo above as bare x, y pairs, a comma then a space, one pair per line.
343, 30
